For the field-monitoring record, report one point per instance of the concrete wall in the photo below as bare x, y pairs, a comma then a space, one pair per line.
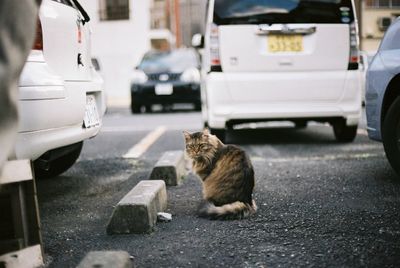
371, 35
193, 18
119, 46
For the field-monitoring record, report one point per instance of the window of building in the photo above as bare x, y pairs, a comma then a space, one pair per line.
383, 3
114, 9
396, 3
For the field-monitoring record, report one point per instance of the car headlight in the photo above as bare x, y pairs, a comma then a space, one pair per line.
191, 75
139, 77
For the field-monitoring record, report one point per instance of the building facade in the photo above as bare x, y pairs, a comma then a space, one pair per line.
374, 18
120, 30
183, 18
192, 19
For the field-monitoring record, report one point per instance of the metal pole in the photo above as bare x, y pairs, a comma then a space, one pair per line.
177, 23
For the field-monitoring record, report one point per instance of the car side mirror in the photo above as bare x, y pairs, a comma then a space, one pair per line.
198, 41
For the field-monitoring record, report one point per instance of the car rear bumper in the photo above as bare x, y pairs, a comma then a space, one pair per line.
33, 144
145, 94
275, 96
51, 111
377, 82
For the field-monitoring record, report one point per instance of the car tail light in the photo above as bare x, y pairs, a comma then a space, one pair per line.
215, 61
354, 50
38, 45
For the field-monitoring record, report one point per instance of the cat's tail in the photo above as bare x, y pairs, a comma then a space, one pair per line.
232, 211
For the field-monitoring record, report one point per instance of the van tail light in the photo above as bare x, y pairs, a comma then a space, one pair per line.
38, 44
215, 61
354, 56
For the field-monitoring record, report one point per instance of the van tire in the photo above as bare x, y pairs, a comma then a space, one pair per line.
344, 133
59, 165
391, 135
220, 133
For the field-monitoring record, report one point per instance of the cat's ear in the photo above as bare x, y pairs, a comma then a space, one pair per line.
206, 131
186, 135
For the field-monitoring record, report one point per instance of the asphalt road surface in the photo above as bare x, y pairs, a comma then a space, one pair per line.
321, 203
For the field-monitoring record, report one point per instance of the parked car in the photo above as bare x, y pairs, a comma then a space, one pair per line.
365, 60
281, 60
383, 95
61, 100
363, 69
166, 78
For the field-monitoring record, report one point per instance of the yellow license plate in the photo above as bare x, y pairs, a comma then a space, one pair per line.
285, 43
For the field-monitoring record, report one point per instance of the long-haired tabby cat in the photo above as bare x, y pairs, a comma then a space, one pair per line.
227, 175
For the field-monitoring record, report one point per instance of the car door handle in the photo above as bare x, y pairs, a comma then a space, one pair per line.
265, 29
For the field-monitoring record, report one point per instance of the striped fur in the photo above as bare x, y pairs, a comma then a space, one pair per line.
227, 176
233, 211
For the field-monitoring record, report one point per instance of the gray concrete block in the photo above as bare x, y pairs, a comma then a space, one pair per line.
106, 259
171, 168
137, 211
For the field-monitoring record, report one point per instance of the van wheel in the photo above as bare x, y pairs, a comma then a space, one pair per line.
391, 135
220, 133
60, 164
344, 133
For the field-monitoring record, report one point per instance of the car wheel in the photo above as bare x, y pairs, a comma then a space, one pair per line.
197, 106
300, 124
391, 135
167, 108
58, 165
148, 109
220, 133
344, 133
135, 108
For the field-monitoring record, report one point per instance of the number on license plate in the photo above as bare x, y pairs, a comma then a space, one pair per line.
285, 43
164, 89
91, 118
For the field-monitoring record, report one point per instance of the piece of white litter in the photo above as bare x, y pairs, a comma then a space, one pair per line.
164, 217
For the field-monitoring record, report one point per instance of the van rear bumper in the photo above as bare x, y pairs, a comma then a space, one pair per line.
235, 97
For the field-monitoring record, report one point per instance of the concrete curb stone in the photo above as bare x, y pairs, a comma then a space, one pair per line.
171, 168
137, 210
106, 259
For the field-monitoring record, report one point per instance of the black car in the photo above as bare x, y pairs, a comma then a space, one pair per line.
166, 78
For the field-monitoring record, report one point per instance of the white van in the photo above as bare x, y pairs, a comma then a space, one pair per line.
281, 60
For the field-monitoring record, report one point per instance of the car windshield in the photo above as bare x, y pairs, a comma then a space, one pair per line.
282, 11
175, 61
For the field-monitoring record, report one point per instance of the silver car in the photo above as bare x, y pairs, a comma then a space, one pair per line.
383, 95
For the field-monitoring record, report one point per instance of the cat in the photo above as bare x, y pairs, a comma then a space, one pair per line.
227, 176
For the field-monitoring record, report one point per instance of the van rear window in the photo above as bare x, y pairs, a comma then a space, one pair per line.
282, 11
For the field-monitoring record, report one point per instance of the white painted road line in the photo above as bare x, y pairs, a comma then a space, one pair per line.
140, 148
362, 131
120, 129
319, 158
